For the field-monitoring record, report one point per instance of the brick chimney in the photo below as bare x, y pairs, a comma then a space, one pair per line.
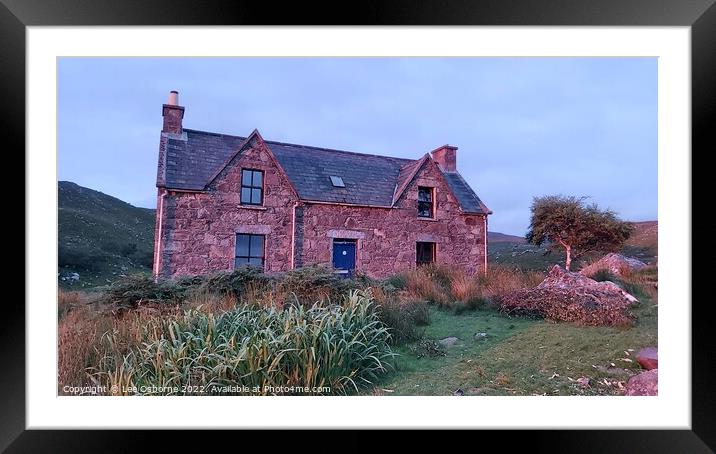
173, 114
446, 157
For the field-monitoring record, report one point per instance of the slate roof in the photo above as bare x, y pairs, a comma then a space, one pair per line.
195, 157
466, 197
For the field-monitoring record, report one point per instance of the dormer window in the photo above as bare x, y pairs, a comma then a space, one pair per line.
426, 205
252, 187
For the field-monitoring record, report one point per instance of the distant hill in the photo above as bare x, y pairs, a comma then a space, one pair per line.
644, 241
497, 237
100, 236
514, 251
646, 234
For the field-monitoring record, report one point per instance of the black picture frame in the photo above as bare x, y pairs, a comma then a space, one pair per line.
699, 15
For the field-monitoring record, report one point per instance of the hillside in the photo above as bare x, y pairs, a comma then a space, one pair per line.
644, 241
497, 237
643, 244
100, 236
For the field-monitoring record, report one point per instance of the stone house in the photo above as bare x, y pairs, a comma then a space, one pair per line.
224, 201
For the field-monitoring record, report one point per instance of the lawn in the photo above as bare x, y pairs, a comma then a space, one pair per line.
520, 356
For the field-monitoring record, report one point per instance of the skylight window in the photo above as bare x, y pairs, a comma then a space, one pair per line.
337, 182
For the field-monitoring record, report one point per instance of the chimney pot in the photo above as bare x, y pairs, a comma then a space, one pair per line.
173, 98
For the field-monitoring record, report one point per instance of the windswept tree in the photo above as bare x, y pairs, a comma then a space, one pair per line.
567, 222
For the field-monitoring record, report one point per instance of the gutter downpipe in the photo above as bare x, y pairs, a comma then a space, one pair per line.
485, 227
293, 236
158, 248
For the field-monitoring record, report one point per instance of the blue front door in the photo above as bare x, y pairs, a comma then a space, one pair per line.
344, 256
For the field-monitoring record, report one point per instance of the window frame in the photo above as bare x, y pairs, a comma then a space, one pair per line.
431, 191
250, 186
434, 254
249, 256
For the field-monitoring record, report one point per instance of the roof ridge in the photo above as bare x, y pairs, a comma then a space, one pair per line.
335, 150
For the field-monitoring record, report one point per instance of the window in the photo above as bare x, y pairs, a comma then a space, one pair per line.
425, 202
337, 182
252, 187
424, 253
249, 250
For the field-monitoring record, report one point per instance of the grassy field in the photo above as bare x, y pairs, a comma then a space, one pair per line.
520, 356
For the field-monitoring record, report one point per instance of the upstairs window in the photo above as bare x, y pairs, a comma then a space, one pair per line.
249, 250
426, 202
424, 253
252, 187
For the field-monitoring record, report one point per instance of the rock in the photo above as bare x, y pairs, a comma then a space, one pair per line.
448, 341
648, 358
572, 297
583, 382
616, 264
480, 335
644, 384
74, 277
458, 392
559, 278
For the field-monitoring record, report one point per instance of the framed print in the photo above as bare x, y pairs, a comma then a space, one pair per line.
418, 216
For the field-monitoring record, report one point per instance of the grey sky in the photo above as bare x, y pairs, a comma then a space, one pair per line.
524, 126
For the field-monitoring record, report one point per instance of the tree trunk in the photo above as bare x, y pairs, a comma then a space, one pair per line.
568, 262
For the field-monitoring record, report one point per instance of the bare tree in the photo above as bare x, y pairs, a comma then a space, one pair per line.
568, 222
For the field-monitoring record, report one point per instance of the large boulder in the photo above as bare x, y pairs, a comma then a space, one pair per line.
566, 296
644, 384
616, 264
559, 278
648, 358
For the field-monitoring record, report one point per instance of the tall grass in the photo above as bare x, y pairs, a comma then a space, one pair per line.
403, 318
344, 347
68, 301
450, 287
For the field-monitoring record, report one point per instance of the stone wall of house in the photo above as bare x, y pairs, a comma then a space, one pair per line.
199, 229
386, 238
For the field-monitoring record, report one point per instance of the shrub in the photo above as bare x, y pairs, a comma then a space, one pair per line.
345, 347
442, 275
502, 279
313, 284
134, 290
396, 281
235, 283
401, 318
420, 285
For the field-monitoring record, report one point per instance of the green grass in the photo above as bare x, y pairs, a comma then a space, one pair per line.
520, 356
